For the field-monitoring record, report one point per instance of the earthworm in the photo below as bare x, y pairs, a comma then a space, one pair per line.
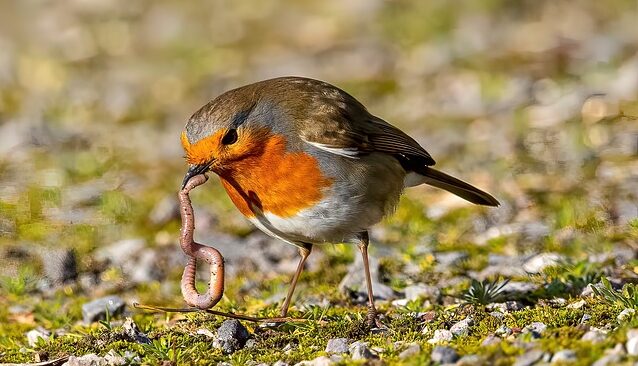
196, 251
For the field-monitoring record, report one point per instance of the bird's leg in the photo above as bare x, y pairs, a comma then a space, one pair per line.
304, 252
364, 240
197, 251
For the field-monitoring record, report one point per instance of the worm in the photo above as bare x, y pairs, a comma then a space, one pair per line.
196, 251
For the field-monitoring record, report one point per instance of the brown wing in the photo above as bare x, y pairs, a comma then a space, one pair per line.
336, 120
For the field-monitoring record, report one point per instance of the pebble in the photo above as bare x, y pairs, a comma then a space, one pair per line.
164, 211
518, 288
506, 307
360, 351
354, 285
594, 335
88, 360
608, 360
231, 336
462, 328
539, 262
441, 336
422, 291
280, 363
490, 340
96, 309
337, 345
131, 331
566, 355
577, 304
444, 354
471, 360
59, 265
497, 314
34, 335
536, 329
586, 317
529, 358
503, 331
632, 342
413, 349
625, 315
449, 259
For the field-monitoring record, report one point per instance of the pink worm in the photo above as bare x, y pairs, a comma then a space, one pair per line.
197, 251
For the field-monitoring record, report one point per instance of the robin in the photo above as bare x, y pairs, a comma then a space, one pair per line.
307, 163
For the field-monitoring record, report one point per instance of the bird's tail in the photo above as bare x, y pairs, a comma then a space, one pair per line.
464, 190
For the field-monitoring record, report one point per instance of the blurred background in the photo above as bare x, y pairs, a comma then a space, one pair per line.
534, 101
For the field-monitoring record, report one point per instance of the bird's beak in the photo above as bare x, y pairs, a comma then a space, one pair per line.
195, 169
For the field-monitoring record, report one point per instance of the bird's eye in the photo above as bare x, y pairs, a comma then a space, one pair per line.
230, 137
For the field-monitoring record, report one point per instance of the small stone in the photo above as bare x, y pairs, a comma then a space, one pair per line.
354, 284
536, 329
462, 328
577, 304
87, 360
164, 211
205, 332
360, 351
471, 360
231, 336
497, 314
506, 307
594, 335
441, 336
626, 315
444, 354
97, 309
566, 355
529, 358
632, 344
34, 335
400, 302
539, 262
503, 331
113, 359
133, 333
490, 340
450, 258
280, 363
586, 317
608, 360
412, 350
422, 291
59, 265
518, 288
337, 345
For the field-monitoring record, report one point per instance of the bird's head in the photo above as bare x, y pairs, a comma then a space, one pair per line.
230, 128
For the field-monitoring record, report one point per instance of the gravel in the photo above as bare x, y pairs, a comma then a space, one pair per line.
444, 354
337, 345
97, 309
564, 356
360, 351
441, 336
59, 265
529, 358
231, 336
462, 328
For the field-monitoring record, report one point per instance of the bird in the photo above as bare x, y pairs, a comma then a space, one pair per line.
308, 164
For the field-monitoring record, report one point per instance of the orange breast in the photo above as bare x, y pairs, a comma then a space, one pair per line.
275, 181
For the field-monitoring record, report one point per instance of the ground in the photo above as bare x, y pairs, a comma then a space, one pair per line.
536, 103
